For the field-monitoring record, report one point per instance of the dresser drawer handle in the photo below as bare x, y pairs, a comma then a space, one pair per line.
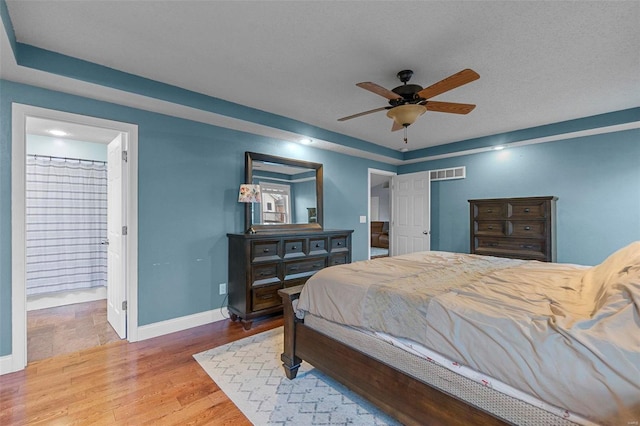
265, 251
493, 244
527, 228
527, 246
262, 274
490, 228
294, 268
527, 210
339, 243
266, 296
293, 247
317, 265
489, 211
317, 245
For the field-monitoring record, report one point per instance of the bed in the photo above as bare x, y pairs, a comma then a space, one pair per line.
449, 338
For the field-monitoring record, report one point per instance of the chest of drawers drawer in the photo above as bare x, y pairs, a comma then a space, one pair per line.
300, 268
265, 250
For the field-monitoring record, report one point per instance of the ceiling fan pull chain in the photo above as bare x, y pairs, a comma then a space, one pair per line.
405, 134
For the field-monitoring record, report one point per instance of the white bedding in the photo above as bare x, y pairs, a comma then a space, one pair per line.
566, 334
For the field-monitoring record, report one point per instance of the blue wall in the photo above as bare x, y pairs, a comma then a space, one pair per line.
189, 174
596, 180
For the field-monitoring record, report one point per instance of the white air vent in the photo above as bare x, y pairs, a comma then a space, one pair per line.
447, 174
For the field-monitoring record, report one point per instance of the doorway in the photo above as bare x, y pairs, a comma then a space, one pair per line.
379, 213
35, 123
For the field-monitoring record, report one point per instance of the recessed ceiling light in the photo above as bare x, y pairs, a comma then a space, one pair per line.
56, 132
498, 148
306, 141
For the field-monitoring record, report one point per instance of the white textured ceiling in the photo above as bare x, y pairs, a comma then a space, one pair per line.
539, 62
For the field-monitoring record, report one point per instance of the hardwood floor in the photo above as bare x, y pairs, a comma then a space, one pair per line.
155, 381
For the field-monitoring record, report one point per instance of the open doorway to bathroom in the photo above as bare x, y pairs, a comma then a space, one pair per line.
379, 212
66, 237
122, 223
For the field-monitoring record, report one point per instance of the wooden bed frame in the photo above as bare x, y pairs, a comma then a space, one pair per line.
407, 399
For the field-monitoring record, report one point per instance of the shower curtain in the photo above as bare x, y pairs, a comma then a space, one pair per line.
66, 222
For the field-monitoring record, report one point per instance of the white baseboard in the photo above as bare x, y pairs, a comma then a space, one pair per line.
6, 365
51, 300
178, 324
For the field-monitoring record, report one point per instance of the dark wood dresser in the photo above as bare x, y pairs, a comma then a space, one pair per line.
520, 228
261, 264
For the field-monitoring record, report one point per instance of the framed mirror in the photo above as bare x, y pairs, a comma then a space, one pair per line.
290, 194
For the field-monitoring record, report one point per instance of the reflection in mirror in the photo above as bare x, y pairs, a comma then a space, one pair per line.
288, 194
291, 193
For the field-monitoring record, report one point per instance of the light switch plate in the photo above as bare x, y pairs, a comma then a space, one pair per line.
363, 219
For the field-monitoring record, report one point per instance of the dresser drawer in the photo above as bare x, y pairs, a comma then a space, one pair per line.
532, 210
302, 268
523, 248
265, 250
490, 227
294, 248
527, 229
488, 211
318, 246
339, 244
265, 297
265, 273
339, 259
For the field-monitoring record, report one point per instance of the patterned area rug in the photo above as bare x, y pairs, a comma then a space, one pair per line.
249, 372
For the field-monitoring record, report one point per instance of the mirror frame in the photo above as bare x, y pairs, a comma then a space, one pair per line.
249, 158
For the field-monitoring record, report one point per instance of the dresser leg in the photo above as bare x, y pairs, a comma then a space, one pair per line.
233, 317
246, 324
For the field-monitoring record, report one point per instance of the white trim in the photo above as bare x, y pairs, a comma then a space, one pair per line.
535, 141
178, 324
370, 172
20, 113
6, 364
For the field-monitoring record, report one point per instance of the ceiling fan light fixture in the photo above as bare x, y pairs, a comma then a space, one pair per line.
406, 115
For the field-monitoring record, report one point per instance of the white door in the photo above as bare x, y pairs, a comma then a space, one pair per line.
411, 220
116, 283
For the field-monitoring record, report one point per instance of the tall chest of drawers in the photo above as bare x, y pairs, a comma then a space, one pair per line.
520, 228
261, 264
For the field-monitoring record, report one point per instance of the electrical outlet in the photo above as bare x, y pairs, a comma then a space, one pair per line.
223, 288
363, 219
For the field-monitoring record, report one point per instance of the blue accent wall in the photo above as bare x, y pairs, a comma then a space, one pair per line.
189, 174
596, 179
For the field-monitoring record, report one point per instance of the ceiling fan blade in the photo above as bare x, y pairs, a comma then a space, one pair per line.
452, 107
349, 117
378, 90
449, 83
396, 126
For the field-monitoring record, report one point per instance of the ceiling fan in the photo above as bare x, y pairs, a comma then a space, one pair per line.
409, 101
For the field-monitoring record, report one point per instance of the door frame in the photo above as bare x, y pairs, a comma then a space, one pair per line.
20, 112
370, 172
